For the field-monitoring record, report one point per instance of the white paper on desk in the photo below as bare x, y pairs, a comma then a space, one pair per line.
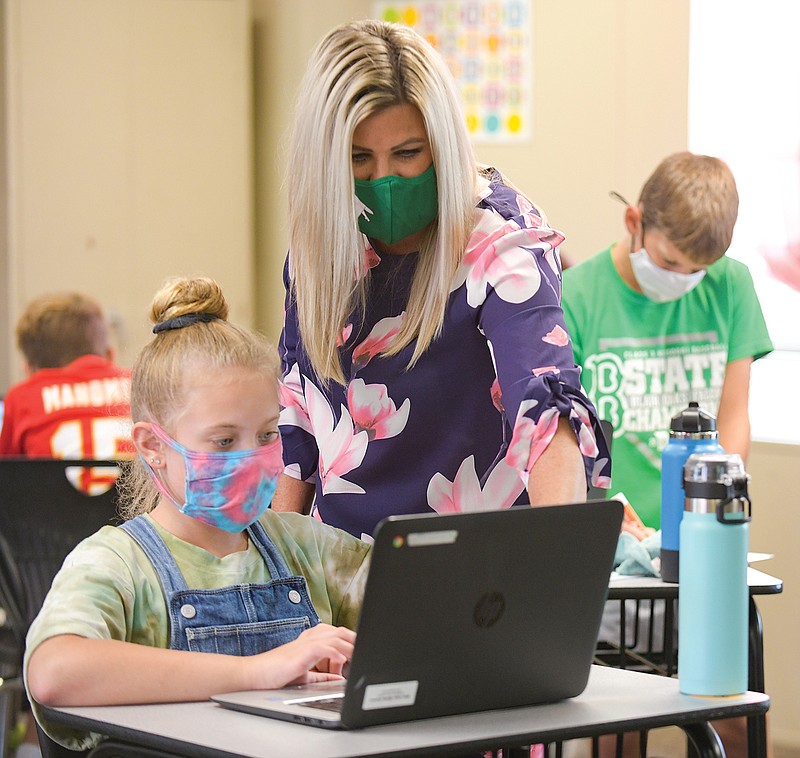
751, 558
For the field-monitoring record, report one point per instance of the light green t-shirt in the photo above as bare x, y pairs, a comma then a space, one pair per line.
108, 589
644, 361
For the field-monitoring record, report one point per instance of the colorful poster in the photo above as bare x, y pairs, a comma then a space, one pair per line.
488, 46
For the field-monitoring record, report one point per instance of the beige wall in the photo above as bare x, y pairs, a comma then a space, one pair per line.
603, 118
776, 529
6, 348
128, 144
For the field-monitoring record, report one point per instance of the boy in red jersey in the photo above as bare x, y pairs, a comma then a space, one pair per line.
73, 402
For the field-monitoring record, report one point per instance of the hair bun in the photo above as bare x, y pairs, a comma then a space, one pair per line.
199, 296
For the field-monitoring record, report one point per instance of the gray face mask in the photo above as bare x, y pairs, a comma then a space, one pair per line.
660, 284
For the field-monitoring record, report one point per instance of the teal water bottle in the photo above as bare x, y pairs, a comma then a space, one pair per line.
693, 430
713, 597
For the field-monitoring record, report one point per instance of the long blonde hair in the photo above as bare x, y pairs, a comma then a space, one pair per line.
356, 70
158, 380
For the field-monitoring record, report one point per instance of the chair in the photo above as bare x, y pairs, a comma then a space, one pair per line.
597, 493
42, 517
108, 748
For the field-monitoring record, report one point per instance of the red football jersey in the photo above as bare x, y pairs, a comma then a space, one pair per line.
78, 411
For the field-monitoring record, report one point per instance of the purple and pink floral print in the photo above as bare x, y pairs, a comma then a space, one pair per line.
463, 428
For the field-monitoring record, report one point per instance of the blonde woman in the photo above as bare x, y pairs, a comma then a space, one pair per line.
425, 361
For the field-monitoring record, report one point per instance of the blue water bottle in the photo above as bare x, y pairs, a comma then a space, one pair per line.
690, 431
713, 594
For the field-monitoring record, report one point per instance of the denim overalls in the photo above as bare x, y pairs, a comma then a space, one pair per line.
242, 619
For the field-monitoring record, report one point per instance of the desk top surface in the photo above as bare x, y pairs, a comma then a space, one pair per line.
613, 700
620, 586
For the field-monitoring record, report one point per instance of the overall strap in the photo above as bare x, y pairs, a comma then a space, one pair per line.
271, 555
146, 536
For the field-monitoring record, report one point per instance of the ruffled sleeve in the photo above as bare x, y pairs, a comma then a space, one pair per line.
513, 276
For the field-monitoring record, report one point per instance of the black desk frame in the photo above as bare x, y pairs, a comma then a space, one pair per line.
665, 662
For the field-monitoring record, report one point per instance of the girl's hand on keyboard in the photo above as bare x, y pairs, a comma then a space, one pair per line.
318, 654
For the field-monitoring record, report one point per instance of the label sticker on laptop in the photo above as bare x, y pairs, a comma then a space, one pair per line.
389, 695
440, 537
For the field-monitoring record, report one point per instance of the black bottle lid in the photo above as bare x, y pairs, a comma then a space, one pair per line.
693, 420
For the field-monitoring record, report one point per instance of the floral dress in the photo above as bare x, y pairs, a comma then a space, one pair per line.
461, 429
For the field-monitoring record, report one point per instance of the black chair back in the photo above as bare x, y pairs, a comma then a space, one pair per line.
598, 493
42, 517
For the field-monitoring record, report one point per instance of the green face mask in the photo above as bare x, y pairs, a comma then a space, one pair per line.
397, 207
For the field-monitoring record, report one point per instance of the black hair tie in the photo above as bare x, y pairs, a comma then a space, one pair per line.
178, 322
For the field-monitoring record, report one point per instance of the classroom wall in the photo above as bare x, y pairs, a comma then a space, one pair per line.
775, 528
127, 145
610, 102
6, 348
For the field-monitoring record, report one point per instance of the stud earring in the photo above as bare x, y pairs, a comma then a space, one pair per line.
155, 461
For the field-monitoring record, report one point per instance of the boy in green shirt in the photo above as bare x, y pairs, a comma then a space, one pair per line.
662, 317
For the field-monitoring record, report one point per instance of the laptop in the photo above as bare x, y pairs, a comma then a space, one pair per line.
466, 612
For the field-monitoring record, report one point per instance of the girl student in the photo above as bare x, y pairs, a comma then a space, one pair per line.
203, 589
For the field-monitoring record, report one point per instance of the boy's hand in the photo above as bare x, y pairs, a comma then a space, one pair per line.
640, 531
631, 522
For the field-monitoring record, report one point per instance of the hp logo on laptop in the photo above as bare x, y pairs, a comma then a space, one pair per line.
489, 609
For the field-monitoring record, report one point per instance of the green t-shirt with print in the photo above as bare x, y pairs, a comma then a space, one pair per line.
644, 361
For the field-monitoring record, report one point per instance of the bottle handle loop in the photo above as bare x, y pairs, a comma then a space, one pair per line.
730, 510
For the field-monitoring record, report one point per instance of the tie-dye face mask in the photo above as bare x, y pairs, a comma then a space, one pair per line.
228, 490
